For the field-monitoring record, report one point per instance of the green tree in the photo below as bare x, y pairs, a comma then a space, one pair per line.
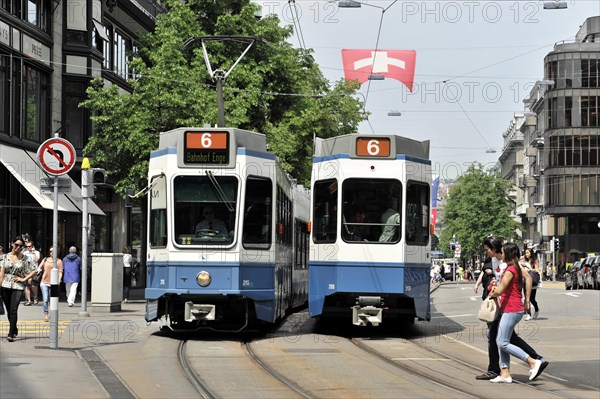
276, 89
477, 206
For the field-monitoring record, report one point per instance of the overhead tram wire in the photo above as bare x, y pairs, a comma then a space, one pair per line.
383, 10
471, 121
300, 34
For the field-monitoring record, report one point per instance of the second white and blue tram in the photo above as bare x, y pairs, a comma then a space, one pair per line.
228, 232
370, 241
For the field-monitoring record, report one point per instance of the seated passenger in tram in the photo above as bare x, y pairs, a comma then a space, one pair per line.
391, 221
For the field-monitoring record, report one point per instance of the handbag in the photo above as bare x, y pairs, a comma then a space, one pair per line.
489, 310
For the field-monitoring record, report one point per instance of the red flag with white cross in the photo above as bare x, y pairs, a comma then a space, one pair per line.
393, 64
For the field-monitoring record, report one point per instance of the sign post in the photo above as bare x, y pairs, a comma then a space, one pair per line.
56, 157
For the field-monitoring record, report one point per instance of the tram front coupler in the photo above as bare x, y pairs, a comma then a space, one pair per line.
367, 311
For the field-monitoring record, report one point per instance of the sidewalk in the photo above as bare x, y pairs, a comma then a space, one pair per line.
29, 368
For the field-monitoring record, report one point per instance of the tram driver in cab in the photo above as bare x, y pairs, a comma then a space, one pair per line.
210, 224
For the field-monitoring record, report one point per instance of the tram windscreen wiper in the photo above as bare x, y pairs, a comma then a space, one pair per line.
220, 191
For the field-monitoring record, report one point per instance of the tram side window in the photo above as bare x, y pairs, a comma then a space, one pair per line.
158, 212
417, 213
301, 244
325, 211
284, 218
257, 213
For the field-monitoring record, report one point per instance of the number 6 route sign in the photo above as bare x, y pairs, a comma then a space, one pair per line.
57, 156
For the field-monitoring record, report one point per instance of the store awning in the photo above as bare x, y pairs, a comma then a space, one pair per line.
24, 167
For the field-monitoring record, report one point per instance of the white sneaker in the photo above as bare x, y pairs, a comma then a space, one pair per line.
528, 317
535, 314
499, 379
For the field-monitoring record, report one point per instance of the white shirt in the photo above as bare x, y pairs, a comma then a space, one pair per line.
499, 268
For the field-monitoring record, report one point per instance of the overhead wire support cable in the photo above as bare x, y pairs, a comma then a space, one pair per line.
294, 9
383, 10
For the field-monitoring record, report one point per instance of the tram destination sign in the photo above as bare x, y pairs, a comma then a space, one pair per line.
206, 148
376, 147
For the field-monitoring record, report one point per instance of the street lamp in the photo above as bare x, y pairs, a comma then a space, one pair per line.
349, 4
555, 5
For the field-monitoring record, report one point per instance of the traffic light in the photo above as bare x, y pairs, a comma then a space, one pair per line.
129, 196
556, 244
91, 177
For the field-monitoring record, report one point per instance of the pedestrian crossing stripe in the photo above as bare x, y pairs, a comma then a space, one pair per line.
33, 326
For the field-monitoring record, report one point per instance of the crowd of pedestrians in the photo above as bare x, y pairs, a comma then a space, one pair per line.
25, 276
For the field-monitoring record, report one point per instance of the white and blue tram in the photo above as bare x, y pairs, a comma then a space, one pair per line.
227, 232
370, 241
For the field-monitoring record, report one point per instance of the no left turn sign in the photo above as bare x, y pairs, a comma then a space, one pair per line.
57, 156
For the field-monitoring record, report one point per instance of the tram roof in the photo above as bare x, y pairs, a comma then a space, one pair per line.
346, 145
242, 138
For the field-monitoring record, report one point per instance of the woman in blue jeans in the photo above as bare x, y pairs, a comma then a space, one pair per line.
45, 283
512, 309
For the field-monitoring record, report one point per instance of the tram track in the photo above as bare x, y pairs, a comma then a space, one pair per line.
192, 377
247, 346
444, 379
360, 344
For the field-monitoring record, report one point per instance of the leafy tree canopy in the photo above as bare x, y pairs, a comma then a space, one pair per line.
276, 89
477, 206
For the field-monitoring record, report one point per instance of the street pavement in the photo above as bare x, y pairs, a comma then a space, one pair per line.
29, 368
73, 369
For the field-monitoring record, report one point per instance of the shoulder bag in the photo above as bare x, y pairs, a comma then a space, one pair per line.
489, 310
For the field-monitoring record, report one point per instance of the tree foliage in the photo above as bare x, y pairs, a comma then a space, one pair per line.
477, 206
275, 89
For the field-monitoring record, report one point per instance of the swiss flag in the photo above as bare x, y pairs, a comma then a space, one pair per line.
394, 64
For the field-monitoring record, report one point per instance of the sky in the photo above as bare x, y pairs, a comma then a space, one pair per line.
476, 62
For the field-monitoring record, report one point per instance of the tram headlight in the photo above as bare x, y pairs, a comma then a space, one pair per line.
203, 279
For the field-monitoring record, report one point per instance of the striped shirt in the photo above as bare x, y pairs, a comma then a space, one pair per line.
20, 268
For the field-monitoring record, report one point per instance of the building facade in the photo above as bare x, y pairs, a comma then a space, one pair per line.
49, 52
558, 191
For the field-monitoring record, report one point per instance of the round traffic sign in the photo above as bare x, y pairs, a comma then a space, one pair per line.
57, 156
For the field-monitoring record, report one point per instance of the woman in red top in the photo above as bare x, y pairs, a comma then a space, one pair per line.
510, 290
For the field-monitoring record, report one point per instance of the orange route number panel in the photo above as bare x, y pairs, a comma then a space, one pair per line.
206, 148
373, 147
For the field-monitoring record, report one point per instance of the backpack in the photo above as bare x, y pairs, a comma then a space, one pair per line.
535, 276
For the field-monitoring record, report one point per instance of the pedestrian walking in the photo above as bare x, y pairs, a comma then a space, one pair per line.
47, 265
31, 286
493, 249
512, 309
127, 263
72, 276
15, 270
531, 264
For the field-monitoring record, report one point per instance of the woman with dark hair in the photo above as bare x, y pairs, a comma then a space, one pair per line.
15, 270
531, 265
512, 309
493, 249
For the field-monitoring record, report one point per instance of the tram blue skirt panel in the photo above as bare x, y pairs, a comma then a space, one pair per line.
382, 278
